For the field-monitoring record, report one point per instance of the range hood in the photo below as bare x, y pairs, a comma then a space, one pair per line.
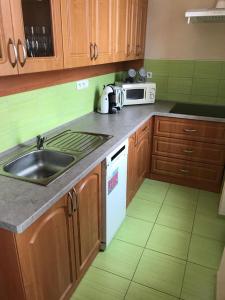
216, 14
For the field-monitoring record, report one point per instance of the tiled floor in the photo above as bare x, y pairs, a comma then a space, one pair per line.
169, 247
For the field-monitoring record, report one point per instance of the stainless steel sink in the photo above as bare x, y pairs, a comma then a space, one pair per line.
39, 166
61, 152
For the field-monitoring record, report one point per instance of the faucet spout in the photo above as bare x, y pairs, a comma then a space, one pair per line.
40, 142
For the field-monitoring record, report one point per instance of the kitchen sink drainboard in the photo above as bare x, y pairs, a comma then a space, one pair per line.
74, 141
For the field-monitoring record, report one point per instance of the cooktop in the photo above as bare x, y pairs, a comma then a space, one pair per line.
216, 111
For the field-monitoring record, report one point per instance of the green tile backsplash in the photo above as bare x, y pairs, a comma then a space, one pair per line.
25, 115
188, 80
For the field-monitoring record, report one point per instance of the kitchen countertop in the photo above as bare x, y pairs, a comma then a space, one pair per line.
21, 203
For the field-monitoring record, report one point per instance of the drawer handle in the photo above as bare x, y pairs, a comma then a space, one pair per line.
190, 130
188, 151
184, 171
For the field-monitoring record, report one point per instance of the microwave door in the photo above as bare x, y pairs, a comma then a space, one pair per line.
135, 94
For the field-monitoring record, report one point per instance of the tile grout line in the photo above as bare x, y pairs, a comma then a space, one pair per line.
144, 248
189, 244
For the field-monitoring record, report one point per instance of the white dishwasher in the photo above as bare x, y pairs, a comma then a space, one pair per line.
114, 192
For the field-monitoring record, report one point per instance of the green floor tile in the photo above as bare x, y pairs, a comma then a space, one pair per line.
161, 272
199, 283
134, 231
140, 292
175, 217
169, 241
120, 258
153, 191
101, 285
144, 210
210, 226
205, 252
182, 197
208, 203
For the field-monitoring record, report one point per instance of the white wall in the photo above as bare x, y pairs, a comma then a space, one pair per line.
170, 37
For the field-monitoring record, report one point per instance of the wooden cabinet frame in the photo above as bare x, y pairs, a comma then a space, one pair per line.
48, 260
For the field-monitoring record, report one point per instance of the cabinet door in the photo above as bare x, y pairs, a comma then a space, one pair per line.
121, 30
8, 52
38, 34
142, 8
132, 32
46, 253
76, 24
142, 158
88, 218
102, 13
131, 169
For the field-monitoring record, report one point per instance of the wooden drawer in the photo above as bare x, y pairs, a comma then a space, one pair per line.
188, 173
189, 150
211, 132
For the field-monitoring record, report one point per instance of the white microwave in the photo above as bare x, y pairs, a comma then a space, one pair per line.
139, 93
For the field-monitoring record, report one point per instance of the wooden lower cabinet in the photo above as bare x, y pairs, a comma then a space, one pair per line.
88, 218
189, 152
131, 168
139, 154
46, 254
48, 259
142, 158
204, 176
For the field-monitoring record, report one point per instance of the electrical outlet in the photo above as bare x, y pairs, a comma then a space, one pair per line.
149, 74
82, 84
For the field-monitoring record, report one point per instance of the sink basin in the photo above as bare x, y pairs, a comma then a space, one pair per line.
39, 165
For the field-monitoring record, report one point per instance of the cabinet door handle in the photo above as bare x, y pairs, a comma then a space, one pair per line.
92, 54
75, 201
188, 151
190, 130
23, 61
184, 171
95, 51
11, 44
70, 204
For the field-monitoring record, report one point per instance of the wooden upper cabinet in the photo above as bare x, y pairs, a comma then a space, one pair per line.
46, 254
76, 26
132, 29
87, 32
38, 35
102, 31
137, 28
142, 9
121, 30
8, 52
88, 218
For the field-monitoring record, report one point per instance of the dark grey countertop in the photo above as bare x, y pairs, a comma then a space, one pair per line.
21, 203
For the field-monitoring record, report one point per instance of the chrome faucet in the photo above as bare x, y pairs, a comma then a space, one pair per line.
40, 142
